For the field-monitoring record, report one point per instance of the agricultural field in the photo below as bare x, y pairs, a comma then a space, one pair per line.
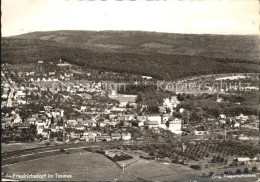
157, 171
20, 146
81, 166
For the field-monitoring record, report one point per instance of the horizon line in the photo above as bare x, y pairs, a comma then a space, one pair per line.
9, 36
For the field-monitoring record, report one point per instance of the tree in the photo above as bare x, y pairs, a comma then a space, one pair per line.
47, 143
254, 169
196, 167
238, 171
246, 170
211, 173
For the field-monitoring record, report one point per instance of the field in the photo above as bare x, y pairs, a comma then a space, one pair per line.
156, 171
20, 146
124, 98
81, 166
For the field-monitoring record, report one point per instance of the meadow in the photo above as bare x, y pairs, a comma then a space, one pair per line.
81, 166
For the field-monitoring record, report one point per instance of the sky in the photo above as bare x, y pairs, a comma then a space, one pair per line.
173, 16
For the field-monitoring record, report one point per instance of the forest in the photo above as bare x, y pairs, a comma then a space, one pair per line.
159, 66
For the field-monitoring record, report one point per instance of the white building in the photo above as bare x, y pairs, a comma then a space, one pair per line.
156, 118
175, 126
126, 136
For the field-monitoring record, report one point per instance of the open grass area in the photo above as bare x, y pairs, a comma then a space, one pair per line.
81, 166
156, 171
20, 146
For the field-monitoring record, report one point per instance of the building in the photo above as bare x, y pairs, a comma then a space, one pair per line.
115, 136
75, 135
175, 126
126, 136
156, 118
103, 137
79, 127
151, 124
137, 123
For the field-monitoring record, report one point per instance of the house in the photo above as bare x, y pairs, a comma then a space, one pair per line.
35, 116
45, 133
201, 132
112, 124
123, 104
181, 110
219, 100
20, 93
40, 128
79, 120
111, 116
246, 159
21, 125
79, 127
102, 124
90, 136
6, 120
75, 135
222, 121
83, 108
137, 123
126, 136
151, 124
17, 119
72, 122
237, 125
115, 136
127, 124
103, 137
156, 118
87, 96
175, 126
86, 135
162, 125
241, 117
222, 116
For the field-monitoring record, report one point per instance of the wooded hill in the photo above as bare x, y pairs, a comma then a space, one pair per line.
161, 55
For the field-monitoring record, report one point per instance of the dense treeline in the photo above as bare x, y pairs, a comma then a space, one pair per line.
206, 105
160, 66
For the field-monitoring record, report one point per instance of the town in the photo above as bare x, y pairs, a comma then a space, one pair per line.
57, 103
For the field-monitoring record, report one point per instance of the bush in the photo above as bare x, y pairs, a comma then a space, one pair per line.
62, 150
238, 171
121, 158
211, 173
254, 169
47, 143
100, 152
246, 170
196, 167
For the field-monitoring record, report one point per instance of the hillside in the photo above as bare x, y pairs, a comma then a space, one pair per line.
137, 52
216, 46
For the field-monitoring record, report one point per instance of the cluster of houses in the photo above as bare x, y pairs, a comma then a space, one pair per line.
52, 120
234, 122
